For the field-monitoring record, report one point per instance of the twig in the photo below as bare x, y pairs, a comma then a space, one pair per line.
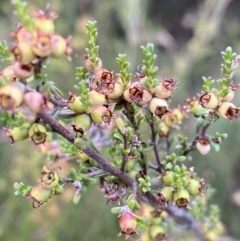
58, 103
103, 163
154, 143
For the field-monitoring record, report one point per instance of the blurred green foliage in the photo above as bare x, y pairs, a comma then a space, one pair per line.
188, 36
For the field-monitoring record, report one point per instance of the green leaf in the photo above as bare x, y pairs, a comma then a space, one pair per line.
116, 210
118, 136
89, 181
76, 198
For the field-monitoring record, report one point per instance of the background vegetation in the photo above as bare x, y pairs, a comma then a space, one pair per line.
188, 36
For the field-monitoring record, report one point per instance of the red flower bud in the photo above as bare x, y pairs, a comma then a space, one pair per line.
34, 101
127, 223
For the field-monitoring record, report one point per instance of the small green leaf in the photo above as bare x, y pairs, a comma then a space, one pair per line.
76, 198
116, 210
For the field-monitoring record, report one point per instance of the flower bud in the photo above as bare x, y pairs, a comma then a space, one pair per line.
75, 104
115, 89
39, 195
49, 178
11, 95
58, 45
203, 145
127, 223
228, 111
173, 117
158, 107
42, 45
165, 88
82, 122
157, 232
164, 129
181, 198
44, 22
103, 76
8, 74
22, 71
144, 236
37, 133
165, 195
167, 177
18, 133
22, 35
34, 101
135, 93
120, 124
96, 98
23, 53
83, 156
208, 100
195, 187
101, 114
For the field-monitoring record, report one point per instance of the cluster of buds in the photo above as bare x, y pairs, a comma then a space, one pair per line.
34, 45
212, 103
169, 120
223, 107
178, 185
155, 220
46, 188
36, 132
127, 222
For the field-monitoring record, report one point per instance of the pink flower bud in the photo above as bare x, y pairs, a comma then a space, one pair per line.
34, 101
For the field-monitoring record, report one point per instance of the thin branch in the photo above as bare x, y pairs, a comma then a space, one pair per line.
154, 143
201, 132
58, 103
96, 173
103, 163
